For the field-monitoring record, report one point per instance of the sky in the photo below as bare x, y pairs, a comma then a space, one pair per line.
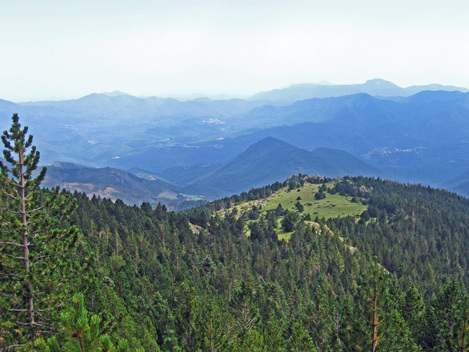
52, 49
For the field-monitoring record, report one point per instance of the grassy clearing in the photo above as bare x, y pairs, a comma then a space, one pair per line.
282, 235
334, 205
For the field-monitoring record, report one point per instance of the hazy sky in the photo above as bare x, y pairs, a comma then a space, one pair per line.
53, 49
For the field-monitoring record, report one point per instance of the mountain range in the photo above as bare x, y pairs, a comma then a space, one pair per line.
272, 160
375, 87
422, 138
265, 162
208, 147
109, 183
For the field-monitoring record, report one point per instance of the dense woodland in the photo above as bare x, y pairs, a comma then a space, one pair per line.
105, 276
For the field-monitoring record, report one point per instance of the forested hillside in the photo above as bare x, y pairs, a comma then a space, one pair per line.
241, 273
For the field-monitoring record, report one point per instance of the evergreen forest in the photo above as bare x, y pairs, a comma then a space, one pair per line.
238, 274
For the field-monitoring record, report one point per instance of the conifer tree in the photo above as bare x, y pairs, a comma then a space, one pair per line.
33, 243
461, 338
83, 333
376, 322
215, 338
413, 312
244, 310
300, 340
447, 320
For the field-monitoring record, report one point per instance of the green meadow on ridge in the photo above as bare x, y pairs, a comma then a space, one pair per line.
332, 206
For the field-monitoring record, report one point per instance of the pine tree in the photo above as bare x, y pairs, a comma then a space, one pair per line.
215, 338
413, 311
243, 307
376, 323
448, 320
300, 340
461, 338
33, 243
83, 333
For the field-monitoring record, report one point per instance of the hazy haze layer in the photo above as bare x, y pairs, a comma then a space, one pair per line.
57, 50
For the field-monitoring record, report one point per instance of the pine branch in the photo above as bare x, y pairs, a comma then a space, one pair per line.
41, 324
32, 324
12, 244
12, 275
24, 324
11, 256
27, 211
12, 183
41, 310
35, 210
8, 194
6, 168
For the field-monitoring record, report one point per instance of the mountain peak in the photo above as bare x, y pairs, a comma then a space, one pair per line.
378, 82
270, 139
270, 142
105, 96
116, 93
67, 165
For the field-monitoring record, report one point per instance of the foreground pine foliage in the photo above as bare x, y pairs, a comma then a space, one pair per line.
34, 244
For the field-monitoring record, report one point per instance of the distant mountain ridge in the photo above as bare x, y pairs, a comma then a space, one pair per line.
265, 162
271, 160
421, 138
109, 183
375, 87
458, 184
